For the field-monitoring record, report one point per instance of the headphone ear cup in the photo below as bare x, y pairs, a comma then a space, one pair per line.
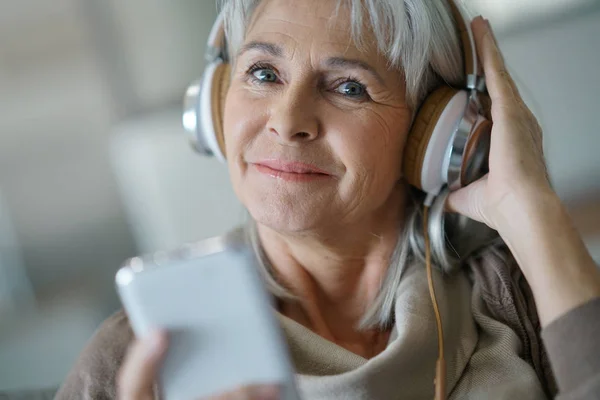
421, 131
220, 86
476, 155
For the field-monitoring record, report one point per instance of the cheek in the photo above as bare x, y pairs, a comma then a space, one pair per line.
372, 142
237, 121
242, 121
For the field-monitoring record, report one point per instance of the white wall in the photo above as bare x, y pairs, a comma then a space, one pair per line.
556, 68
69, 71
172, 194
15, 288
557, 71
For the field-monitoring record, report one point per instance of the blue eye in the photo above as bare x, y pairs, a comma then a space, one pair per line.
352, 89
265, 75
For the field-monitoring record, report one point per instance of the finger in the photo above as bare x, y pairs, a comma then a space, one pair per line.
468, 200
251, 392
137, 375
265, 392
501, 87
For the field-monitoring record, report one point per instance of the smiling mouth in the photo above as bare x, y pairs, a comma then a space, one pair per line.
291, 172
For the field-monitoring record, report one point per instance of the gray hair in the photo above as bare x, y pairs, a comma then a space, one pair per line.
420, 39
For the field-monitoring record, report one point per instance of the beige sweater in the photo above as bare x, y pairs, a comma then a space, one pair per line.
482, 354
486, 357
572, 343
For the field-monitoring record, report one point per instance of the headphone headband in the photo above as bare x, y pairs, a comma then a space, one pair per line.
216, 45
473, 71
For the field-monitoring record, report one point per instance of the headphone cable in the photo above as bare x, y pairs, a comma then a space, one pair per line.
440, 366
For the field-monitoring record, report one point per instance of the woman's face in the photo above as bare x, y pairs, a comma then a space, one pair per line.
314, 127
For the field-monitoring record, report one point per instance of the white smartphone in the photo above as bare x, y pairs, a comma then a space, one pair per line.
222, 328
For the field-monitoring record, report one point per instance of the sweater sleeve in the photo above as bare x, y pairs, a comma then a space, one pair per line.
94, 373
573, 346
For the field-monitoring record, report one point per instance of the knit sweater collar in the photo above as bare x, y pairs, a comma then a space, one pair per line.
406, 366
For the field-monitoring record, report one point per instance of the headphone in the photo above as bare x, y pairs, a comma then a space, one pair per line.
448, 143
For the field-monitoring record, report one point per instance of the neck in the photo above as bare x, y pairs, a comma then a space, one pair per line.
336, 271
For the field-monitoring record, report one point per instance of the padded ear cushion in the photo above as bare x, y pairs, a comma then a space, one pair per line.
478, 145
221, 81
420, 133
486, 105
476, 154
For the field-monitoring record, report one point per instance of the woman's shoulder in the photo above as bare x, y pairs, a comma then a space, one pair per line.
115, 332
94, 374
111, 339
114, 324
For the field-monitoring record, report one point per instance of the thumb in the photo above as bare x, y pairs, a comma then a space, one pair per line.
469, 201
141, 365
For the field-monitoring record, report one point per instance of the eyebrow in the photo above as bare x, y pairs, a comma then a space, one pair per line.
340, 62
269, 48
332, 62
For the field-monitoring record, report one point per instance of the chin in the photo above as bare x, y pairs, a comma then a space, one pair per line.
283, 206
286, 215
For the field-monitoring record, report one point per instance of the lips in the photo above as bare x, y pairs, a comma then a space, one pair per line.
292, 167
291, 171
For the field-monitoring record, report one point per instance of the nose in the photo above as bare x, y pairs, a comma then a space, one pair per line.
293, 118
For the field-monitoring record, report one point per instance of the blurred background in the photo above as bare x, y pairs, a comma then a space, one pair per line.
95, 167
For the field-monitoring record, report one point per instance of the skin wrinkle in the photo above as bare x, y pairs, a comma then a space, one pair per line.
272, 49
330, 241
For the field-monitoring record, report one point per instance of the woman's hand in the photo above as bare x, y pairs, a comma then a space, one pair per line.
516, 198
140, 368
137, 376
517, 175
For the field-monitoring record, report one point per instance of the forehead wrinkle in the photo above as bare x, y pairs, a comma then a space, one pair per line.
337, 20
288, 47
291, 22
272, 49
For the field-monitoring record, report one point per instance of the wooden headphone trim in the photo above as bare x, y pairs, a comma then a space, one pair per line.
464, 38
221, 80
421, 131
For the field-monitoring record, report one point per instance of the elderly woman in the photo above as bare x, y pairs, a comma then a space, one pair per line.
321, 101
